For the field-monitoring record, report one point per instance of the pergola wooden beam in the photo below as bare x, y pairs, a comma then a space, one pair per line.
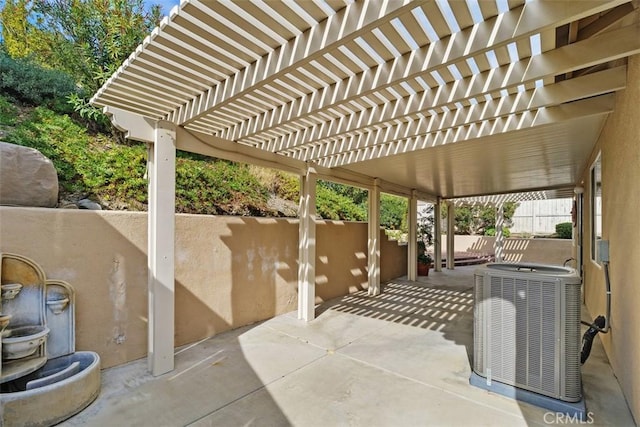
602, 104
605, 21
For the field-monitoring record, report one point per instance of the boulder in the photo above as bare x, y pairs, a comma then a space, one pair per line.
27, 178
88, 204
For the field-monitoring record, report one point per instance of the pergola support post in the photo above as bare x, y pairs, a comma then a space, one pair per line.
374, 239
307, 247
437, 235
161, 244
499, 243
412, 242
451, 223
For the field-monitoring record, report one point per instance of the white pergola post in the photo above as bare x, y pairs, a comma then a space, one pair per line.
451, 223
499, 244
412, 243
437, 235
374, 239
161, 243
307, 247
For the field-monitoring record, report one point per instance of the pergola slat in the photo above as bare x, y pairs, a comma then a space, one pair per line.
559, 93
514, 122
568, 58
347, 24
432, 57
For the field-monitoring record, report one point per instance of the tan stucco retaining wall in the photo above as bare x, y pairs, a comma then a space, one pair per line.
541, 251
619, 144
230, 271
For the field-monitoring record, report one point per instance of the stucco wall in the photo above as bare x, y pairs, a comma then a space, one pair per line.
541, 251
619, 144
230, 271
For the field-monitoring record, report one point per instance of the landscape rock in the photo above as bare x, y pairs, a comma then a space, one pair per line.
88, 204
282, 207
27, 178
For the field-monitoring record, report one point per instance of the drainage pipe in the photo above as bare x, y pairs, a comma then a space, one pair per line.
600, 324
604, 329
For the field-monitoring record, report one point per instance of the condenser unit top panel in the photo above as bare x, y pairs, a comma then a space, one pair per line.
530, 271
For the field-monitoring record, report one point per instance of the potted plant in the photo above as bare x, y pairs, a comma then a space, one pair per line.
425, 238
424, 260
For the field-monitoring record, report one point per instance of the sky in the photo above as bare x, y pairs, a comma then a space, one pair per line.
167, 5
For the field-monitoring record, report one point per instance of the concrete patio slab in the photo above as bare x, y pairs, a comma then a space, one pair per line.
208, 376
333, 331
348, 392
399, 359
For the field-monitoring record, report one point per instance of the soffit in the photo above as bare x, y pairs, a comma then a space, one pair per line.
548, 157
448, 98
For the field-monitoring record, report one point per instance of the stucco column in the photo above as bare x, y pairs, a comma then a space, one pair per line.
451, 224
374, 240
161, 243
412, 243
499, 244
307, 247
437, 235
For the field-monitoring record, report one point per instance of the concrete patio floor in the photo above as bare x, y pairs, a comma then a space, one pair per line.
399, 359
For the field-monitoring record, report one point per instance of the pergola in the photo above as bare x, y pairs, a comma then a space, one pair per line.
431, 100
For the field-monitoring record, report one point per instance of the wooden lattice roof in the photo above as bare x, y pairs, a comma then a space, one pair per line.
458, 98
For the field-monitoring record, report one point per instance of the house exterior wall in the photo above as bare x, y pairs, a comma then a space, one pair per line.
230, 271
619, 145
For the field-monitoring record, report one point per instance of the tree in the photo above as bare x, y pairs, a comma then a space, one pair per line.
87, 39
20, 36
479, 219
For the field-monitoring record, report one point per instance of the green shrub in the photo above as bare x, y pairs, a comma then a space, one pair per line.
564, 230
398, 235
30, 84
8, 112
492, 232
57, 138
282, 184
84, 165
393, 212
477, 219
288, 186
113, 174
332, 205
357, 195
210, 186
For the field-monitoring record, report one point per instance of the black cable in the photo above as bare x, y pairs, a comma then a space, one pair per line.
589, 335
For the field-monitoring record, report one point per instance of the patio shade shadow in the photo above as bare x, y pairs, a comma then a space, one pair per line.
442, 308
212, 374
